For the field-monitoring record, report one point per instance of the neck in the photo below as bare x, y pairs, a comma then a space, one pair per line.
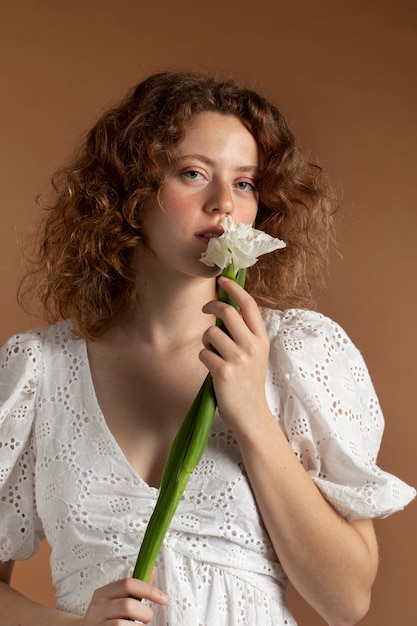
169, 310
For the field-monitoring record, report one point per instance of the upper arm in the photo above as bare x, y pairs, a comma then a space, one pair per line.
6, 570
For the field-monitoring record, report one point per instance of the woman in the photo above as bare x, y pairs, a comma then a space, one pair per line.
288, 483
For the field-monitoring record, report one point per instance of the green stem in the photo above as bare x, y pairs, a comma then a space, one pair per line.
186, 452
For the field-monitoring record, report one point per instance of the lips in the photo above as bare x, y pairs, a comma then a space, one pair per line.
210, 233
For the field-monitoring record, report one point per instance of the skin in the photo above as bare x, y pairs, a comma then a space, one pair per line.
332, 563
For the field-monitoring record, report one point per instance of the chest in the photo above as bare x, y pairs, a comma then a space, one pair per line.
144, 398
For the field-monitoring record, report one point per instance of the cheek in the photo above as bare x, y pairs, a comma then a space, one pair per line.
247, 214
160, 214
170, 199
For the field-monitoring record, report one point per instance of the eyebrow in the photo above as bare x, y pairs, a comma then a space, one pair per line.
206, 159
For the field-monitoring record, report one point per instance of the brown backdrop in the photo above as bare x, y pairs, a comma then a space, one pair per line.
344, 72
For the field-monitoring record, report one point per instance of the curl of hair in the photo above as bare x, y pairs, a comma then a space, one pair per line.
83, 266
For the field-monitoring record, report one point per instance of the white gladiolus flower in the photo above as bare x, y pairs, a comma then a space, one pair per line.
239, 244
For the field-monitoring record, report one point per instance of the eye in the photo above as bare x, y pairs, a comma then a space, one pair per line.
245, 185
192, 174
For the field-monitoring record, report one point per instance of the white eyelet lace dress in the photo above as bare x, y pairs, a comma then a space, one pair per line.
64, 477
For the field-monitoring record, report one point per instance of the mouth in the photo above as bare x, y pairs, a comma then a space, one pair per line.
205, 236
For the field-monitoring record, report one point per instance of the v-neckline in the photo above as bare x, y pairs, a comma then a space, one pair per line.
103, 423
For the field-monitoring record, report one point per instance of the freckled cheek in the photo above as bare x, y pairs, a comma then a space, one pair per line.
174, 204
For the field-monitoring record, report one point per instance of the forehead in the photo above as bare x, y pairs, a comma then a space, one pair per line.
215, 131
215, 119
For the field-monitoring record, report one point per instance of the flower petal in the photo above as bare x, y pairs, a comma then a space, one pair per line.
240, 243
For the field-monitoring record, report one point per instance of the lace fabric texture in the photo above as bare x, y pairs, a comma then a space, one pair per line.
64, 477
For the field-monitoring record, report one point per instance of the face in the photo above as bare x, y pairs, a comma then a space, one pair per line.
213, 177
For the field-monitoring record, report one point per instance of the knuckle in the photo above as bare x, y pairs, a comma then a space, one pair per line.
241, 358
130, 608
229, 310
146, 614
252, 352
211, 332
125, 606
227, 373
127, 585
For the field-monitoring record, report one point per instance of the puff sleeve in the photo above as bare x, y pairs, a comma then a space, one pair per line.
20, 526
321, 393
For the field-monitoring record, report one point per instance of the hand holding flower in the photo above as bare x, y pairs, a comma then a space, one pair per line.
116, 603
237, 360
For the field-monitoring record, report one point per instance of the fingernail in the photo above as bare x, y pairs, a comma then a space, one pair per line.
164, 598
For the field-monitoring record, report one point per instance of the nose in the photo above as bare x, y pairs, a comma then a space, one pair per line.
220, 199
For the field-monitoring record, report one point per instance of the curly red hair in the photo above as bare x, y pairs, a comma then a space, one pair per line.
83, 267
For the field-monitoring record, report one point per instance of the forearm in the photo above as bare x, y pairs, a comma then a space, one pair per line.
18, 610
331, 562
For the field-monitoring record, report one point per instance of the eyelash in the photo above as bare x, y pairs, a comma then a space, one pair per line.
187, 173
246, 182
249, 185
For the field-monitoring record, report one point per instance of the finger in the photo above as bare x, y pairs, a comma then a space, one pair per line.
131, 587
234, 323
219, 343
147, 591
248, 307
217, 366
129, 609
222, 354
